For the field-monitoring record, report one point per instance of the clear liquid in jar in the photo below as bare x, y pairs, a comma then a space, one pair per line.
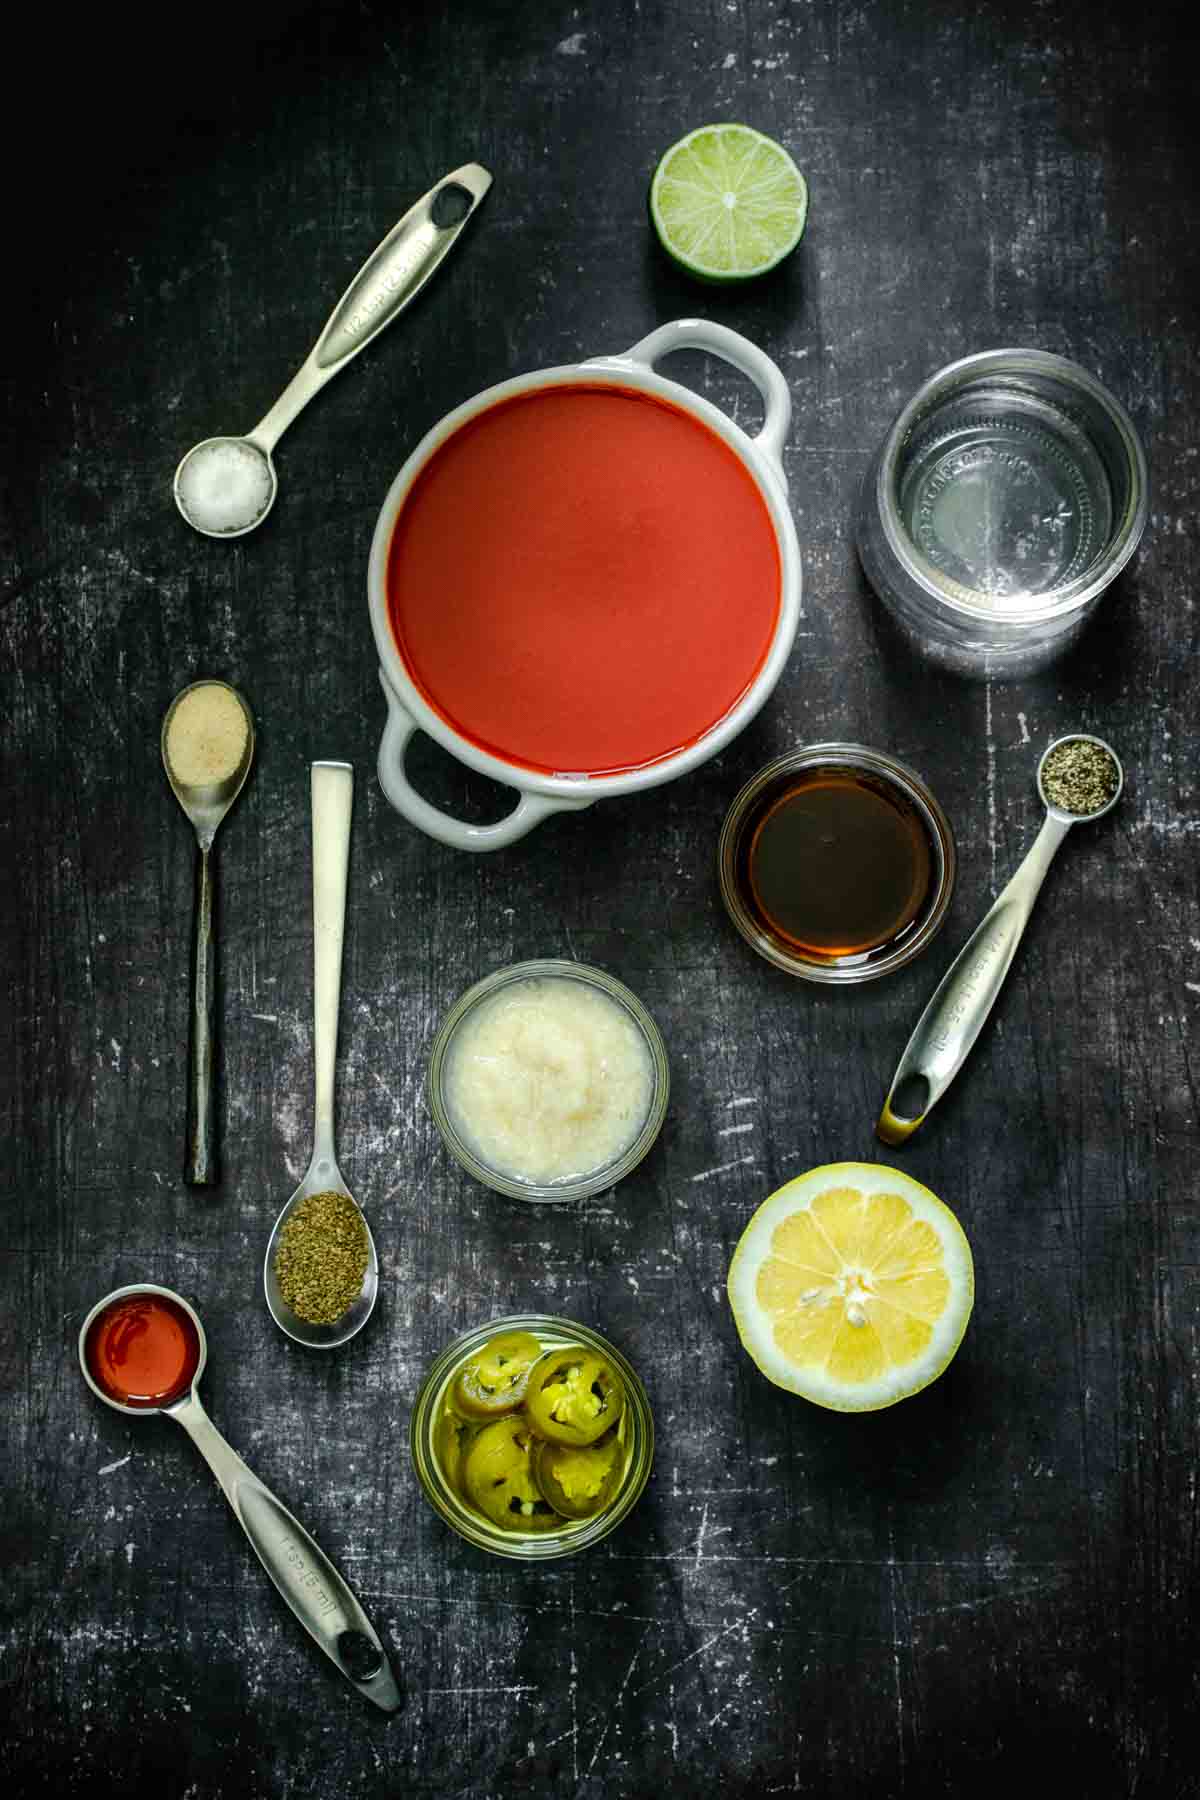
1005, 495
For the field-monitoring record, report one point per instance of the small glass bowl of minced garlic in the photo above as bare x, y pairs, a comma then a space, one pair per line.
532, 1437
548, 1081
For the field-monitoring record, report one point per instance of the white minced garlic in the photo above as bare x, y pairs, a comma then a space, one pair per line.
548, 1079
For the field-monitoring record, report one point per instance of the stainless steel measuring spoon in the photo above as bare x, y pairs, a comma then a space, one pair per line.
205, 804
955, 1016
300, 1569
225, 486
332, 802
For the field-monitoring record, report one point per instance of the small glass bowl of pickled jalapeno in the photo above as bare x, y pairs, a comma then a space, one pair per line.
532, 1436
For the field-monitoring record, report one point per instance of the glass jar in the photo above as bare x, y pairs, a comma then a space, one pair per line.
635, 1429
594, 1180
1007, 496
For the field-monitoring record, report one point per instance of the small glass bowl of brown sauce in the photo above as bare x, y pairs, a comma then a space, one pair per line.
836, 863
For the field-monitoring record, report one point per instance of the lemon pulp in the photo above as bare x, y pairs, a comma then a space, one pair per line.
852, 1285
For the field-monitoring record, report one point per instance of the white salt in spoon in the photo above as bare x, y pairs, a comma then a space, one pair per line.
225, 486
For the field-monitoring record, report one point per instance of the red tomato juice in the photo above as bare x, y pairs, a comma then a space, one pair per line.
583, 580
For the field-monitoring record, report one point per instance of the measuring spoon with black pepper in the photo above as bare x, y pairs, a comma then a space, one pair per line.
142, 1350
1079, 778
326, 1231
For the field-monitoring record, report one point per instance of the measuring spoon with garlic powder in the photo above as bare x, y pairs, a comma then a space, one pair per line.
332, 803
113, 1352
225, 486
955, 1016
207, 750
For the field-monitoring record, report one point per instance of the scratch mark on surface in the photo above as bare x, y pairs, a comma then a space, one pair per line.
109, 1467
717, 1637
733, 1130
620, 1696
722, 1168
893, 1577
516, 1688
991, 781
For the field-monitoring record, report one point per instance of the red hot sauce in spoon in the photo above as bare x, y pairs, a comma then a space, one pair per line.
143, 1350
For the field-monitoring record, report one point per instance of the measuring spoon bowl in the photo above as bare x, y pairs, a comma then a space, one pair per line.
239, 484
305, 1577
322, 1177
126, 1293
1061, 812
206, 803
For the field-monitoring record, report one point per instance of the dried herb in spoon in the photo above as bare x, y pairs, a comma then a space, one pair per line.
322, 1257
1080, 776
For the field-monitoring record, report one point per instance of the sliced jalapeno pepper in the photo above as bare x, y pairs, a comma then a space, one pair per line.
493, 1380
573, 1396
579, 1482
498, 1479
452, 1439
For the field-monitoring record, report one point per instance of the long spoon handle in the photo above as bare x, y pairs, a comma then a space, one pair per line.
392, 275
202, 1167
300, 1569
332, 804
965, 996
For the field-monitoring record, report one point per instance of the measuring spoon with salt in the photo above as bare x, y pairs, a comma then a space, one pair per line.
226, 486
135, 1329
954, 1017
332, 803
207, 750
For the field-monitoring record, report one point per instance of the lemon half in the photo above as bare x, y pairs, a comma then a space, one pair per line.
852, 1285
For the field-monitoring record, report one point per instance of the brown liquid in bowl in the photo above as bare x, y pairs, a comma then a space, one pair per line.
836, 863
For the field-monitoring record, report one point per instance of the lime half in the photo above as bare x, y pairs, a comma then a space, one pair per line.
728, 203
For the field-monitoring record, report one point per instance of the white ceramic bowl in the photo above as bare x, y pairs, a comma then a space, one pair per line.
540, 794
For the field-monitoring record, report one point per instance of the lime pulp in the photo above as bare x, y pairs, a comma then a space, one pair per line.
728, 203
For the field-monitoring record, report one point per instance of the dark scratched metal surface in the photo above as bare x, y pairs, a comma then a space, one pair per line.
915, 1603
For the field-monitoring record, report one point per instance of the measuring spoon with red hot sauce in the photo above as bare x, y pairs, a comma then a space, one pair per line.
142, 1349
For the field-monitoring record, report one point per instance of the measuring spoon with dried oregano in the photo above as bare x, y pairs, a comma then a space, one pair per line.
321, 1273
1079, 778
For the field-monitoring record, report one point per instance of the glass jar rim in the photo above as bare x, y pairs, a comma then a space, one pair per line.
881, 764
596, 1180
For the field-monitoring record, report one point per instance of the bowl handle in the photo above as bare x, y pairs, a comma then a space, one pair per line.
529, 811
732, 347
